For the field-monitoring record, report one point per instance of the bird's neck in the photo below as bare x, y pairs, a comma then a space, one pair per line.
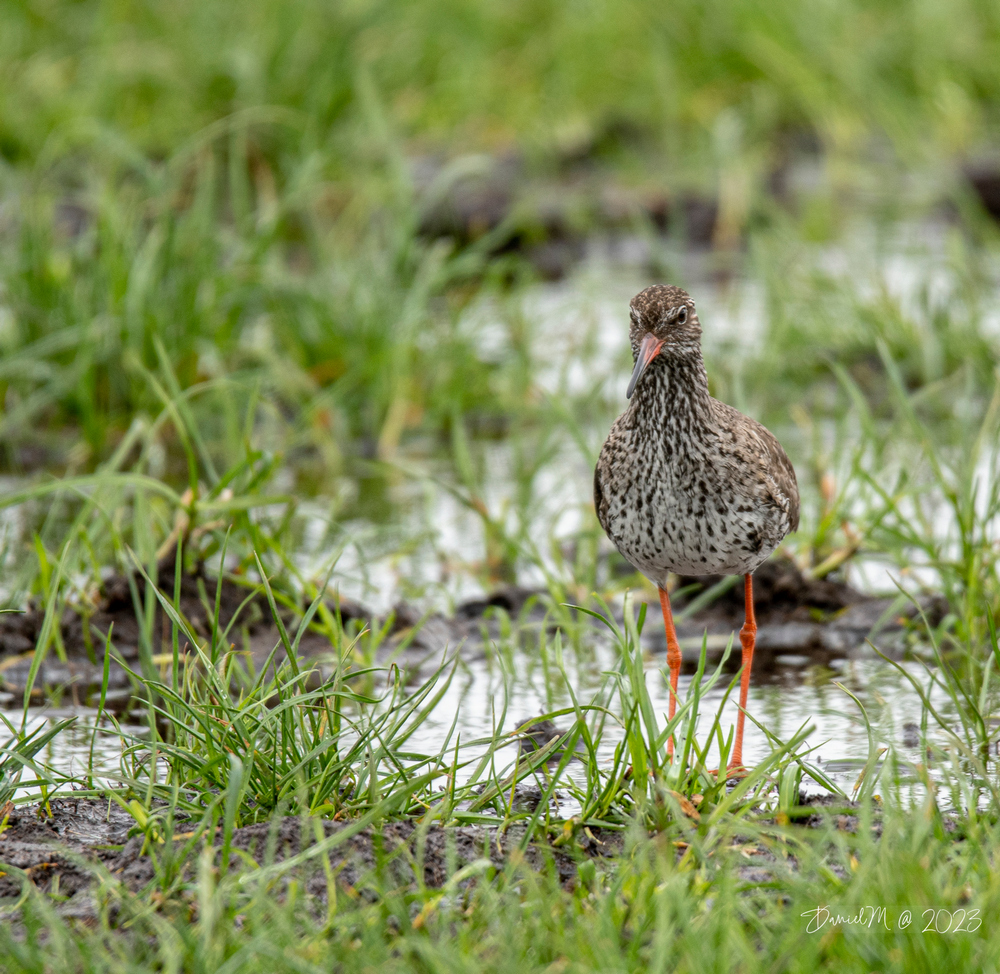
673, 395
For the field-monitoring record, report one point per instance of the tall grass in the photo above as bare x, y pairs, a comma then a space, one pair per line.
241, 193
468, 73
330, 323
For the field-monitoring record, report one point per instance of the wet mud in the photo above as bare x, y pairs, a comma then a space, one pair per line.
71, 846
502, 206
800, 621
73, 665
84, 842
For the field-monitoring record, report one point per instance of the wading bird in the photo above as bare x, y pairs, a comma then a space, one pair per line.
685, 483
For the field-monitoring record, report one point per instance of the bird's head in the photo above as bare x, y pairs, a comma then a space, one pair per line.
664, 323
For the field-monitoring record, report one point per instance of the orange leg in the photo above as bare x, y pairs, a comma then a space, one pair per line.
673, 658
748, 636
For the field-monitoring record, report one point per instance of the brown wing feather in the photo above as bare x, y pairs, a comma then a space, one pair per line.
779, 468
783, 473
599, 505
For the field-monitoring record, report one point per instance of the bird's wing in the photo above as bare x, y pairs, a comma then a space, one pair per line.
600, 504
755, 446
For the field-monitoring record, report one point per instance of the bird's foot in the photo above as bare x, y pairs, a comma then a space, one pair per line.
733, 770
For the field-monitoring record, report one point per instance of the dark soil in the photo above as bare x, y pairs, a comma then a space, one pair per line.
814, 620
817, 620
65, 853
502, 207
84, 633
782, 593
984, 177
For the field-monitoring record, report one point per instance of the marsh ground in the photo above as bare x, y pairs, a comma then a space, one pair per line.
315, 316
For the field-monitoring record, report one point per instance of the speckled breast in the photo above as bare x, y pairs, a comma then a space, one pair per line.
680, 512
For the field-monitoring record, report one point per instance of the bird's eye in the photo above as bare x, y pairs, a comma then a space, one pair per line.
682, 316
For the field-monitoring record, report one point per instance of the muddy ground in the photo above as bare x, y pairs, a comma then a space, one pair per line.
817, 619
801, 620
505, 208
84, 841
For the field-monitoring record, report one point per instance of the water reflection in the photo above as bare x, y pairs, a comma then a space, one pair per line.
498, 691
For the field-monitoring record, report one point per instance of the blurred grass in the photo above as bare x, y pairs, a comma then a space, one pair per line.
475, 75
236, 182
345, 342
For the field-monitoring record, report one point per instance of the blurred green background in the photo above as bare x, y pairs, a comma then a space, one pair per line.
244, 181
261, 237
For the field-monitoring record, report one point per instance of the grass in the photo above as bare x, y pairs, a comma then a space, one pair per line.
226, 341
648, 916
226, 746
243, 196
679, 899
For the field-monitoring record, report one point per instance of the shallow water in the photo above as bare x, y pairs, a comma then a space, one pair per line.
579, 345
77, 752
783, 701
491, 695
431, 549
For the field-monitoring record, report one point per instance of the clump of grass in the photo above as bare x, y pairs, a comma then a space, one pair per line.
743, 887
21, 753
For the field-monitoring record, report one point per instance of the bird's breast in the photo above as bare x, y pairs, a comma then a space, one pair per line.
671, 509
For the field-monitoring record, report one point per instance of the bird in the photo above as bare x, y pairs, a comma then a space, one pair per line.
686, 484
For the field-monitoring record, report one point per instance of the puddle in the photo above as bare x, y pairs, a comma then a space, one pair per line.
77, 749
783, 698
432, 548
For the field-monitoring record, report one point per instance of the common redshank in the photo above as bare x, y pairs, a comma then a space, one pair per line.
685, 483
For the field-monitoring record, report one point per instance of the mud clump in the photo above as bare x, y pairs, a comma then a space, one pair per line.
82, 839
72, 845
84, 630
782, 593
797, 615
800, 619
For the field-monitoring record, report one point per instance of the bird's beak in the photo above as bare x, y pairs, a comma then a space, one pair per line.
648, 350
